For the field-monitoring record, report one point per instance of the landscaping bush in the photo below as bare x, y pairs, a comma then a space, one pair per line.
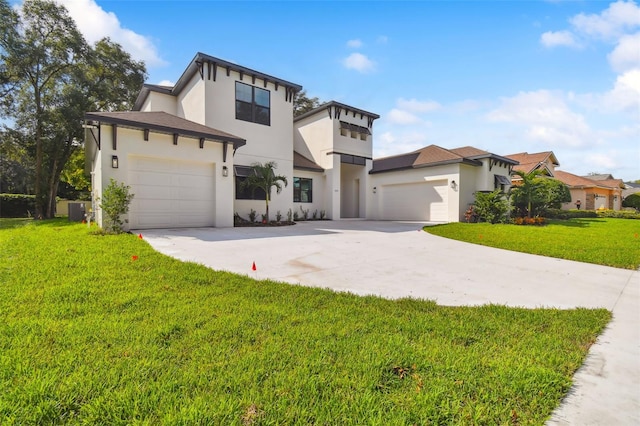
17, 205
491, 206
632, 200
568, 214
619, 214
115, 203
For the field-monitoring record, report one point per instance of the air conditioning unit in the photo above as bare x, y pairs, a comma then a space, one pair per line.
76, 212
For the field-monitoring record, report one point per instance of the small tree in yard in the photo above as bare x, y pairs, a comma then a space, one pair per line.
265, 178
491, 206
114, 203
632, 200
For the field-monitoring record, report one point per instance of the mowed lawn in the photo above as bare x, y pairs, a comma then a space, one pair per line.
104, 330
603, 241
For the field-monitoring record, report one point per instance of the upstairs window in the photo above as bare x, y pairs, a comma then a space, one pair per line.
302, 190
253, 104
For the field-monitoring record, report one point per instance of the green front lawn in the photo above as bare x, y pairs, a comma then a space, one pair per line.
104, 330
610, 242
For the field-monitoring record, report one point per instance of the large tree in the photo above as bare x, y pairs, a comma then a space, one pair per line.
50, 77
302, 103
534, 193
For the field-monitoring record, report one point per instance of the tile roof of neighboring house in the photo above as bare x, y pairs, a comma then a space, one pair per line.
197, 65
599, 176
433, 155
580, 181
162, 122
303, 163
530, 162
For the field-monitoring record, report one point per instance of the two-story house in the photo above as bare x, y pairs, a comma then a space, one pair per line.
185, 151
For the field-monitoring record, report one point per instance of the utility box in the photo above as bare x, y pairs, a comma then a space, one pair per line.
76, 212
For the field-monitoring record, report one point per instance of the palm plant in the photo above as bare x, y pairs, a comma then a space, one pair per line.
527, 191
265, 178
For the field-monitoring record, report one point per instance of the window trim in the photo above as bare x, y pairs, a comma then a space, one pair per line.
297, 190
253, 105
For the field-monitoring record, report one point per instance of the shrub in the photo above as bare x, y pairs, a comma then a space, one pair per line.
17, 205
252, 215
632, 200
619, 214
114, 203
491, 206
314, 215
569, 214
323, 214
305, 213
289, 216
278, 216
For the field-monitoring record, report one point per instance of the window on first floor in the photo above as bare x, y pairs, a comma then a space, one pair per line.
243, 192
302, 190
253, 104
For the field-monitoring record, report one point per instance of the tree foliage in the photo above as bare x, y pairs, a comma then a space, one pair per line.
632, 200
265, 178
491, 206
50, 77
535, 194
302, 103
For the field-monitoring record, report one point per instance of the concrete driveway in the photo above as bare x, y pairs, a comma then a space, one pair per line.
394, 260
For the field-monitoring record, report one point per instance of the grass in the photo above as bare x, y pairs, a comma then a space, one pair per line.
603, 241
91, 334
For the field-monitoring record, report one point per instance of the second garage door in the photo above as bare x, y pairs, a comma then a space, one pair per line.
423, 201
171, 193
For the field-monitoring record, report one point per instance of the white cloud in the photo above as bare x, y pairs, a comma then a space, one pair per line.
601, 161
359, 62
618, 18
625, 95
167, 83
95, 23
414, 105
398, 116
545, 117
389, 143
354, 43
626, 55
559, 38
383, 39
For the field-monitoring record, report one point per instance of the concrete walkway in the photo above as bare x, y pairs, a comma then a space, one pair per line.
393, 260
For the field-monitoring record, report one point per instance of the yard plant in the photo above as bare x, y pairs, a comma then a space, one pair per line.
604, 241
101, 329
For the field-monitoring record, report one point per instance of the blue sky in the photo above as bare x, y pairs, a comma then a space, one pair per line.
504, 76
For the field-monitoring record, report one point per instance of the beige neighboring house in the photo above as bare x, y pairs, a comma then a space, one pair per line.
588, 192
186, 149
594, 194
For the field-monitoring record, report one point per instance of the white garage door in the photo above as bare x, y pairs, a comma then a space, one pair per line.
424, 201
171, 193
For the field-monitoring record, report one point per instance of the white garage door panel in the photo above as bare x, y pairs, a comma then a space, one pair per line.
424, 201
170, 193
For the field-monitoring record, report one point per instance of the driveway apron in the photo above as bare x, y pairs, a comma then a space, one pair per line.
398, 259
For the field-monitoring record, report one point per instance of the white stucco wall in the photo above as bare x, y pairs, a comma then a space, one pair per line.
130, 142
191, 101
160, 102
313, 138
447, 173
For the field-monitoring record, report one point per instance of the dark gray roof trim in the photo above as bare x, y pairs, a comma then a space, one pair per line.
162, 122
494, 157
354, 128
194, 67
406, 161
330, 104
502, 180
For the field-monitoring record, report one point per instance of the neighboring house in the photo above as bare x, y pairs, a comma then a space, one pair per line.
593, 194
543, 161
434, 183
186, 150
630, 188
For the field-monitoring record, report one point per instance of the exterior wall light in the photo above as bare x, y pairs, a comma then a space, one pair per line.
225, 171
114, 161
454, 185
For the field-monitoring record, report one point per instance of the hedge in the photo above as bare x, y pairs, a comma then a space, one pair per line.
17, 205
568, 214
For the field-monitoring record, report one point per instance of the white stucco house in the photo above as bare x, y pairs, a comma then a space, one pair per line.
185, 149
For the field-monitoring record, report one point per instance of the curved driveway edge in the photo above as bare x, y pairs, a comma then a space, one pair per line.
397, 259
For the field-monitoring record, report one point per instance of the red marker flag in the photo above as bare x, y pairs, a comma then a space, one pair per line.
253, 267
140, 236
134, 257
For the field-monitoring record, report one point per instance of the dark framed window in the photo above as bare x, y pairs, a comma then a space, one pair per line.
244, 193
253, 104
302, 190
